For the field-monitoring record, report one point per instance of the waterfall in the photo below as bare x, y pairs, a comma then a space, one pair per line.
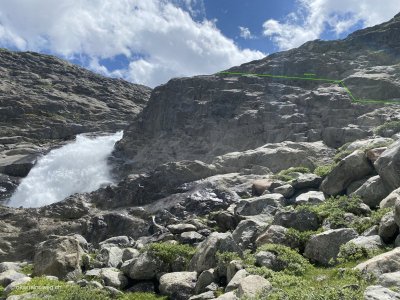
78, 167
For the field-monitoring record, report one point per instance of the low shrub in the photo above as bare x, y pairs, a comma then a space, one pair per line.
318, 284
169, 252
27, 269
43, 287
388, 129
351, 252
141, 296
286, 175
300, 237
295, 263
224, 258
334, 209
324, 170
361, 225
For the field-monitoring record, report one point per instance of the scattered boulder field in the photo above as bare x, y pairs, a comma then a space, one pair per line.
230, 188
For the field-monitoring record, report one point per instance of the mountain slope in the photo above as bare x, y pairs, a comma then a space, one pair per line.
206, 116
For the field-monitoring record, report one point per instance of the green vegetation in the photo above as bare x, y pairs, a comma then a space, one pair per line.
363, 224
224, 258
300, 237
293, 262
318, 284
303, 281
27, 269
334, 209
59, 290
324, 170
351, 252
142, 296
289, 174
388, 129
169, 252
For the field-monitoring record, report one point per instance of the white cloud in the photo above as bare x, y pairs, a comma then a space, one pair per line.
313, 17
162, 34
245, 33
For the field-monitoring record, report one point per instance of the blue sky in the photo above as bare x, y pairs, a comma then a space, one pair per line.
151, 41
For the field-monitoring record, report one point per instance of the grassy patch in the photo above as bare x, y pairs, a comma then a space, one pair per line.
59, 290
288, 174
293, 262
142, 296
318, 284
324, 170
334, 209
169, 252
300, 237
388, 129
224, 258
351, 252
27, 269
361, 225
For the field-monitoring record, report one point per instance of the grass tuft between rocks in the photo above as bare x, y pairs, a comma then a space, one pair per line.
169, 252
43, 287
334, 209
303, 281
294, 263
388, 129
324, 170
287, 175
142, 296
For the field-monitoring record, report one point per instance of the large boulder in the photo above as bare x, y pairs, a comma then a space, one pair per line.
388, 166
388, 229
266, 204
234, 282
311, 197
178, 285
205, 257
301, 220
9, 276
397, 212
384, 263
58, 256
377, 292
144, 267
353, 167
372, 242
306, 181
325, 246
246, 232
110, 256
109, 277
252, 285
372, 191
389, 279
274, 234
390, 200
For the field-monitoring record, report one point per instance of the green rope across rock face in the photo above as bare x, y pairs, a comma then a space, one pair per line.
309, 76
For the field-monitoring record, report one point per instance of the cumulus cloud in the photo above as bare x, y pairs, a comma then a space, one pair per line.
313, 17
245, 33
159, 38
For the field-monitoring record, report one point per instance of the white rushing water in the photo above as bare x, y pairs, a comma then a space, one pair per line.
78, 167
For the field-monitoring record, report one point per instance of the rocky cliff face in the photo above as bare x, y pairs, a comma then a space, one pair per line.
44, 100
206, 116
